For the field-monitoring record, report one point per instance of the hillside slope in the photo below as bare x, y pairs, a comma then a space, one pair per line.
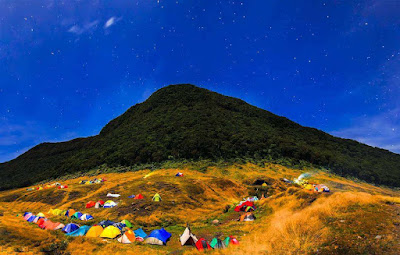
291, 220
187, 122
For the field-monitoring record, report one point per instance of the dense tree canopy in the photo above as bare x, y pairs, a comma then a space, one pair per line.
187, 122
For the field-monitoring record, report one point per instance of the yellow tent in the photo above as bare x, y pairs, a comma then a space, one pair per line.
50, 211
110, 232
264, 184
41, 214
157, 197
57, 212
94, 231
309, 187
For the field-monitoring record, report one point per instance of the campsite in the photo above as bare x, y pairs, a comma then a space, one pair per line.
218, 204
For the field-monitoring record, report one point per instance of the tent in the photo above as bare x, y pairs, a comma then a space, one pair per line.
90, 204
70, 212
82, 182
202, 244
131, 196
77, 215
113, 195
127, 223
140, 233
42, 225
95, 231
40, 221
98, 205
119, 225
25, 213
79, 232
60, 226
31, 218
109, 204
27, 216
188, 238
140, 196
243, 206
249, 209
231, 240
110, 232
35, 220
40, 215
216, 243
127, 237
101, 202
158, 237
179, 174
247, 217
321, 188
157, 197
309, 187
106, 223
70, 227
86, 217
264, 185
55, 211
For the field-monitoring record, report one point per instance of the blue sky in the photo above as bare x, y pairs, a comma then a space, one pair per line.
69, 67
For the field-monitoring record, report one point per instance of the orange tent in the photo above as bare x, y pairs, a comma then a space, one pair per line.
52, 225
70, 212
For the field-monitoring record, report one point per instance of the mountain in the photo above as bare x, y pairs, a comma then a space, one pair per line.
188, 122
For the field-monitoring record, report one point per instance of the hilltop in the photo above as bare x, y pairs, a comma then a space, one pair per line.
187, 122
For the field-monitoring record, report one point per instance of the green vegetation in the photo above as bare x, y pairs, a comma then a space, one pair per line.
186, 122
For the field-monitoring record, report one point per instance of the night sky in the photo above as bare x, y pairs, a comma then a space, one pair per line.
68, 67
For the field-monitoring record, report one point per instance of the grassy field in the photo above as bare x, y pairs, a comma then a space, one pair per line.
355, 218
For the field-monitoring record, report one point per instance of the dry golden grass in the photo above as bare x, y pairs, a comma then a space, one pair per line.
290, 221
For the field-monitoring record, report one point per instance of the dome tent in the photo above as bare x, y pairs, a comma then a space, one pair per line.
158, 237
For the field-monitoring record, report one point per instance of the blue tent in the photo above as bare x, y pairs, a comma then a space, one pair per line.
119, 225
106, 223
140, 233
77, 215
132, 196
80, 231
160, 234
31, 219
86, 217
25, 213
70, 227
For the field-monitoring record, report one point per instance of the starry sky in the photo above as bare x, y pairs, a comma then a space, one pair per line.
68, 67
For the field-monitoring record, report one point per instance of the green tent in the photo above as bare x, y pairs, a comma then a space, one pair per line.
127, 223
217, 244
76, 215
157, 197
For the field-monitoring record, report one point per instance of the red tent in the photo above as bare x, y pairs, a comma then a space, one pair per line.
90, 204
233, 240
101, 202
140, 196
202, 244
40, 221
242, 206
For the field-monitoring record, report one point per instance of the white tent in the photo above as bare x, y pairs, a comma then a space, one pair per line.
188, 238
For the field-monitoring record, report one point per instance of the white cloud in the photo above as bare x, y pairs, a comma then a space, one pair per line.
78, 30
111, 21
